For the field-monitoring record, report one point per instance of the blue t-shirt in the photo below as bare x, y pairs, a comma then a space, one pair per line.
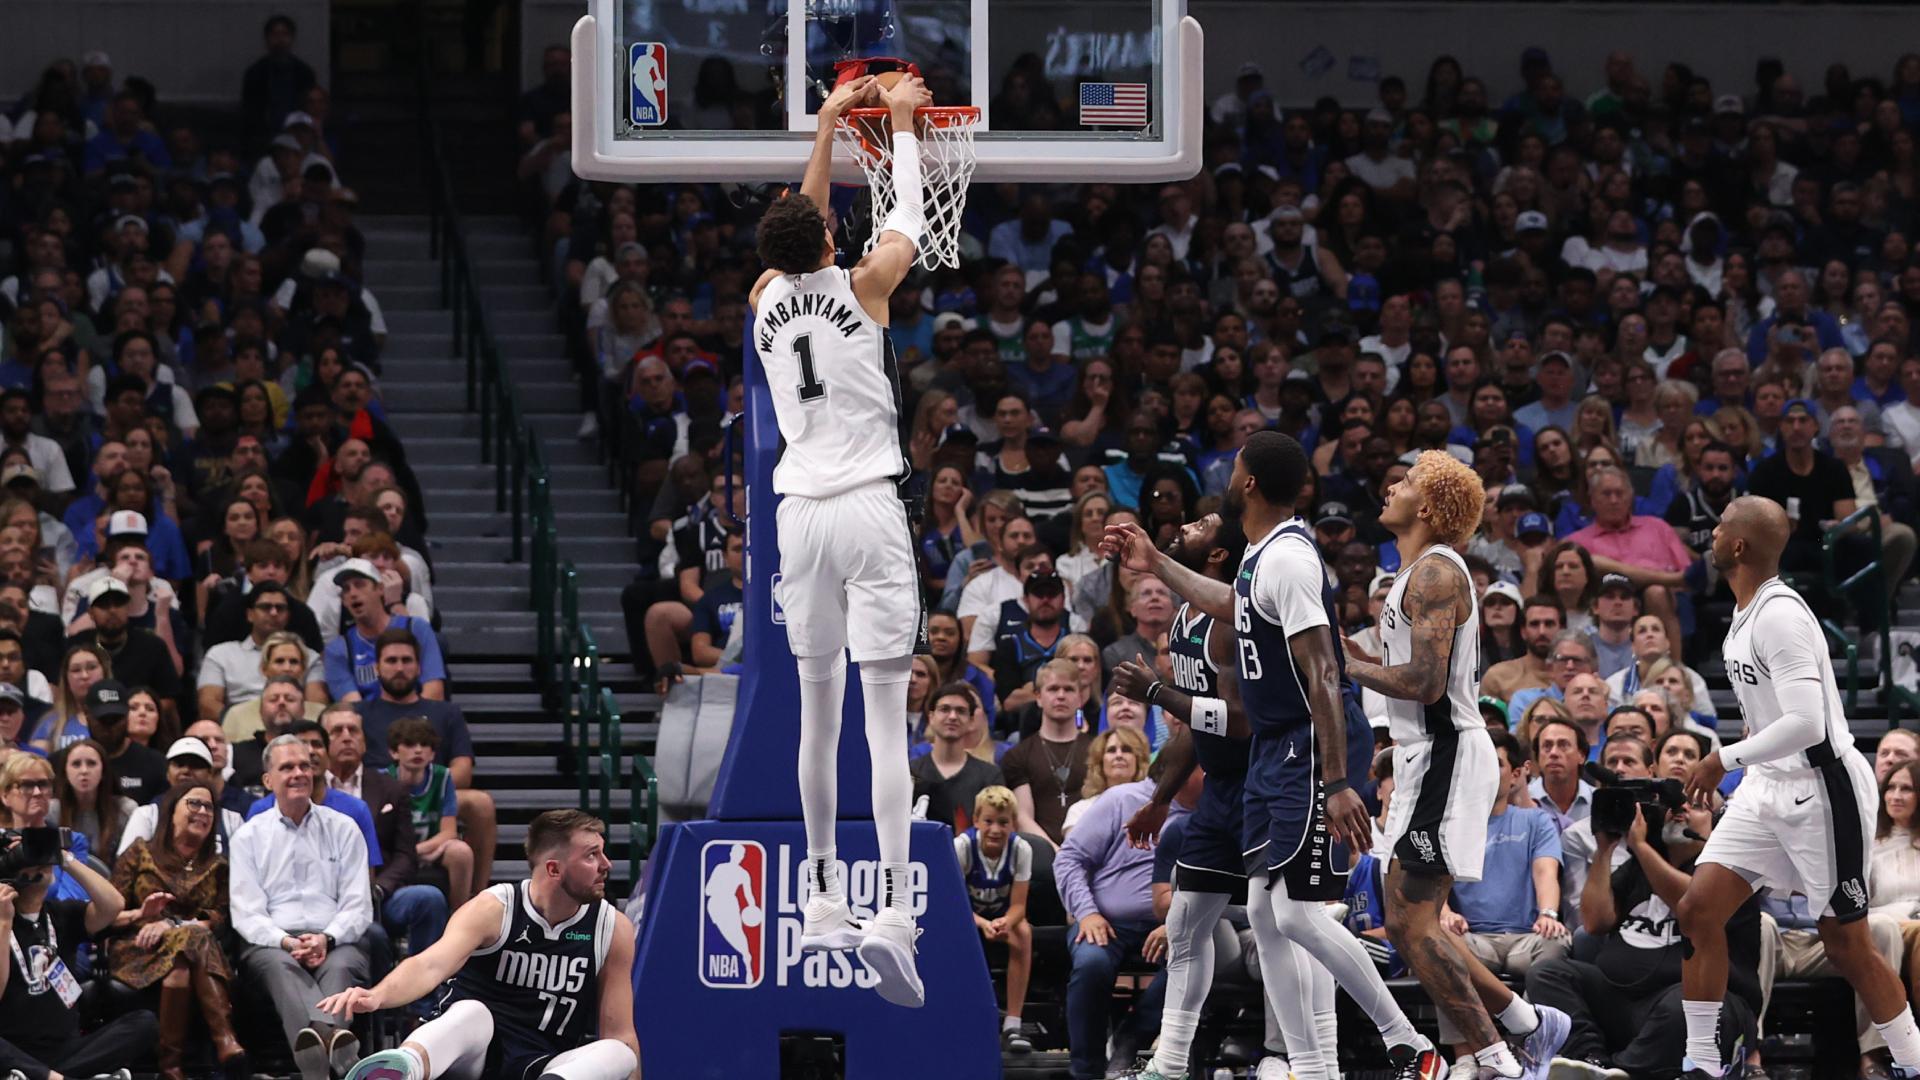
1502, 901
717, 611
344, 803
76, 730
351, 663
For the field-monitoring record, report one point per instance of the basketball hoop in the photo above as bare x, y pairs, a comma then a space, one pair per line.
946, 159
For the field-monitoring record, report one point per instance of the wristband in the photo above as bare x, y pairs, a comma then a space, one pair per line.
1330, 788
1554, 915
1209, 715
1153, 691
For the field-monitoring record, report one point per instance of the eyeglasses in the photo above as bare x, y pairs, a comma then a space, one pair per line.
197, 804
1569, 659
31, 786
270, 607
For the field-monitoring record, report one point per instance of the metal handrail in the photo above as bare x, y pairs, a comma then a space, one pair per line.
1865, 588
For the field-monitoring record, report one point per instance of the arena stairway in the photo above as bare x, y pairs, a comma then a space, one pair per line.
483, 599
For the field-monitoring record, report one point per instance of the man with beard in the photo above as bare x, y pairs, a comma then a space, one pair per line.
139, 657
397, 660
282, 702
1301, 815
500, 1017
1431, 426
16, 420
83, 513
1302, 270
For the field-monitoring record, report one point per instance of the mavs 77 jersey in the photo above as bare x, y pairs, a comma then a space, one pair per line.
835, 385
541, 982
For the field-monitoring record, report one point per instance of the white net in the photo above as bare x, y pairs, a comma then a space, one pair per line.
946, 166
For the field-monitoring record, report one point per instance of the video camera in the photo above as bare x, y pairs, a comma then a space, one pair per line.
27, 849
1613, 805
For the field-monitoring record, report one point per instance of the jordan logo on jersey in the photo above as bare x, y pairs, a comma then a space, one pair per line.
733, 883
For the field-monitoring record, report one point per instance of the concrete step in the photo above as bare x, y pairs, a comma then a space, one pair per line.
415, 269
489, 551
565, 501
600, 598
518, 296
636, 734
553, 428
455, 476
403, 297
502, 640
450, 395
439, 341
505, 323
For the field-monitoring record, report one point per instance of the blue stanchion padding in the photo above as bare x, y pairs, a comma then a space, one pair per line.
712, 994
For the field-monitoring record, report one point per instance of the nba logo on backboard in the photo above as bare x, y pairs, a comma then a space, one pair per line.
733, 886
647, 65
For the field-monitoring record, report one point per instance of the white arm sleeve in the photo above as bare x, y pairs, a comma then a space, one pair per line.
908, 217
1794, 653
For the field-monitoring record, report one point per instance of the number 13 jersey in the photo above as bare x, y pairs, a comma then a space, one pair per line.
835, 385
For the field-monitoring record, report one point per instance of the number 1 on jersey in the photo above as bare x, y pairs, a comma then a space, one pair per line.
811, 388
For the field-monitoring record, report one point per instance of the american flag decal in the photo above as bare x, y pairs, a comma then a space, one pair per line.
1118, 104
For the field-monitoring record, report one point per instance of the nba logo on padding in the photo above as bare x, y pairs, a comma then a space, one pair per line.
733, 886
647, 66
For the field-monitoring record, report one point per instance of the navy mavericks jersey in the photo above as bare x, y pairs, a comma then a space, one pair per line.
538, 980
1272, 692
1195, 674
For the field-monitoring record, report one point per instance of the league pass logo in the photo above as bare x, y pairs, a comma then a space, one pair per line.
647, 66
733, 881
752, 911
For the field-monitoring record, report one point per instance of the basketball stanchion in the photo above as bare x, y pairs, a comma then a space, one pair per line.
719, 980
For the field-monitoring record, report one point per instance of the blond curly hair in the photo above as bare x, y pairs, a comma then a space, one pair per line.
1455, 495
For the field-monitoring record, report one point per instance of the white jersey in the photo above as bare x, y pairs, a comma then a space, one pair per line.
835, 386
1458, 708
1773, 639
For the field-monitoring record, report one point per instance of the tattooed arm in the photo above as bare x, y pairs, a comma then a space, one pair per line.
1434, 601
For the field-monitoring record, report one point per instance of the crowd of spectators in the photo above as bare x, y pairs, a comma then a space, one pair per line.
219, 672
1623, 296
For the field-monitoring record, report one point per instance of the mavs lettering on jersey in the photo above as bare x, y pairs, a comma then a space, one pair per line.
541, 982
538, 971
733, 884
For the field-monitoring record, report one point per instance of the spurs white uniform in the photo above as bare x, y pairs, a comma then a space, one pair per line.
1802, 822
845, 542
1446, 773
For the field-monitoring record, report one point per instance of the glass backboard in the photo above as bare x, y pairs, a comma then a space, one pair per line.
729, 89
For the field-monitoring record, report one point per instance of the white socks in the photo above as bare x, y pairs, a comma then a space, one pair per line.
1703, 1034
1903, 1039
1498, 1058
1518, 1017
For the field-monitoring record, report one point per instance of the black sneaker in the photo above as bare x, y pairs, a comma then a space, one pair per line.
1013, 1042
1412, 1063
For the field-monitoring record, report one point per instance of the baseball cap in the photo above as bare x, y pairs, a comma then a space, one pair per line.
356, 568
107, 586
122, 181
296, 119
1729, 105
95, 58
1336, 329
1288, 213
1534, 524
130, 221
1333, 513
1696, 125
1497, 435
1515, 495
1489, 703
1250, 70
1378, 115
1801, 404
188, 746
950, 320
318, 261
107, 698
10, 692
1382, 580
1530, 221
286, 142
1615, 581
1044, 583
126, 523
1557, 357
1506, 590
19, 471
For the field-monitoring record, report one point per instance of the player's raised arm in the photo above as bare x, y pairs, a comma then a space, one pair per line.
1134, 548
1434, 600
886, 266
476, 924
819, 175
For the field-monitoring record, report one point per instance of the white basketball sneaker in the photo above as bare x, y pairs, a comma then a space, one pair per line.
888, 949
829, 926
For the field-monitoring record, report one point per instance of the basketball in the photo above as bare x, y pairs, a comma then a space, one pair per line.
751, 917
888, 79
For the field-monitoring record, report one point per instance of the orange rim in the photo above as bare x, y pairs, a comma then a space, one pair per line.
871, 124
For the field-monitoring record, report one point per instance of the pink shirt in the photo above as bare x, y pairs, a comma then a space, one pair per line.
1646, 542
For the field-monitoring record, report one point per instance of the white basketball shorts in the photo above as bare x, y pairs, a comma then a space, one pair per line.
1444, 788
848, 579
1809, 831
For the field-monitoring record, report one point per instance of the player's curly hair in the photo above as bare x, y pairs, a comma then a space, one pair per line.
1455, 495
790, 235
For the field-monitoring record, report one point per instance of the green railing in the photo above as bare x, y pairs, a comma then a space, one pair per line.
522, 486
1871, 596
590, 711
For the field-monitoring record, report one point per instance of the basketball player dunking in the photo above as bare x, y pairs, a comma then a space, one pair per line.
1803, 818
845, 539
541, 970
1446, 773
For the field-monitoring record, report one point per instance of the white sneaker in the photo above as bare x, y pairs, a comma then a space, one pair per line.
829, 926
589, 426
888, 949
1273, 1068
